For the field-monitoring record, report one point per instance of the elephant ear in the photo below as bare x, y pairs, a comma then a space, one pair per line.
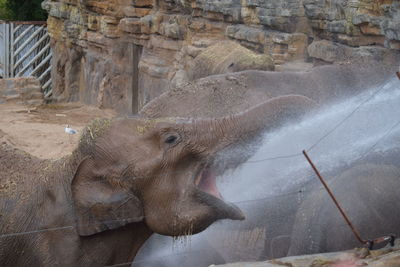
99, 205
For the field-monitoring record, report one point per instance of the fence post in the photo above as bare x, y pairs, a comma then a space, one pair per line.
6, 51
11, 49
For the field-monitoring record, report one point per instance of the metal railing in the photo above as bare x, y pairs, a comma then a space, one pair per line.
25, 51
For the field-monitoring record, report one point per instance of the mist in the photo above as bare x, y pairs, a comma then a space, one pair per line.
336, 136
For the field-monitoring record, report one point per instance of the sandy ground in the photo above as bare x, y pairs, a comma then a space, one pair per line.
40, 130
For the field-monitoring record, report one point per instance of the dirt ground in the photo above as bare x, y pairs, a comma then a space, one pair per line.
40, 131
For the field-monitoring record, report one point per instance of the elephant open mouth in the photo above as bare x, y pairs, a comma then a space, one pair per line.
205, 180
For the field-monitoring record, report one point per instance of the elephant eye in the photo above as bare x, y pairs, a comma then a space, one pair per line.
171, 139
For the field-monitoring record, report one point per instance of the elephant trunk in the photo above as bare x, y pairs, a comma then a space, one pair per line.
215, 134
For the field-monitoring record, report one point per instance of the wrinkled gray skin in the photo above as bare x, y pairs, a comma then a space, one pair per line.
287, 231
127, 179
226, 94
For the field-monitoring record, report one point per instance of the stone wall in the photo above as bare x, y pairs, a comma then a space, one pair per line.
21, 90
123, 53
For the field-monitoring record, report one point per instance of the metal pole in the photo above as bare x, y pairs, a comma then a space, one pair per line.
12, 50
6, 51
353, 229
3, 63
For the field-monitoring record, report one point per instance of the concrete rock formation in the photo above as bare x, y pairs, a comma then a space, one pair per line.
21, 90
121, 54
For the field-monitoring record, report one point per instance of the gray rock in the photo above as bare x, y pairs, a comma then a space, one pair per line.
334, 52
21, 89
8, 92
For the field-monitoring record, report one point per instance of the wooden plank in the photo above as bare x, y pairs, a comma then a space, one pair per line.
28, 40
48, 94
47, 84
17, 28
34, 60
29, 22
7, 51
44, 61
44, 37
22, 35
47, 90
3, 63
45, 73
12, 50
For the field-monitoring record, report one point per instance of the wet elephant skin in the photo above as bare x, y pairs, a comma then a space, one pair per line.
128, 178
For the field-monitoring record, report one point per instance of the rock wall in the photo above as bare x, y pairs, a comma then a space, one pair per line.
21, 90
123, 53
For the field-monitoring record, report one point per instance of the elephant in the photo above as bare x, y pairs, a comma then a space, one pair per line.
128, 178
368, 192
227, 94
284, 231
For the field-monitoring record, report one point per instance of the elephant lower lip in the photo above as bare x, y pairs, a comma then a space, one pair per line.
236, 213
224, 210
206, 183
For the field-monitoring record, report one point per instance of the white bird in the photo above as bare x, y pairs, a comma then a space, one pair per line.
69, 130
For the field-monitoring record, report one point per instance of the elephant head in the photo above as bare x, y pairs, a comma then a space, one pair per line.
159, 171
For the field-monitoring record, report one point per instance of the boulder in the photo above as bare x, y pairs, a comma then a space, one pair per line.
228, 56
21, 90
333, 52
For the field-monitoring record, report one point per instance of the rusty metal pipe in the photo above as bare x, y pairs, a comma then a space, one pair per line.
353, 229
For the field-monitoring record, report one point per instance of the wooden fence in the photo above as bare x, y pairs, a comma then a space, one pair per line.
25, 51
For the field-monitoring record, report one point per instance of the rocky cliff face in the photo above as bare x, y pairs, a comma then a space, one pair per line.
123, 53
